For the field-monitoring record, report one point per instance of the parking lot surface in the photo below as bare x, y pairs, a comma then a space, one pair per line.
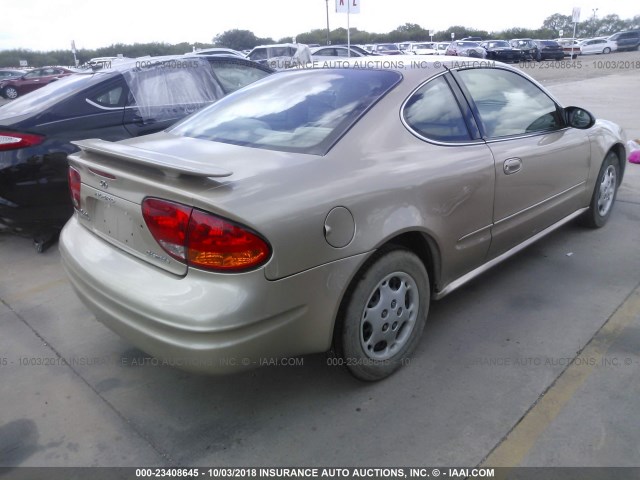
535, 363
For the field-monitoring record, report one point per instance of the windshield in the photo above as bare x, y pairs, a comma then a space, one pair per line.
296, 111
387, 46
43, 98
498, 44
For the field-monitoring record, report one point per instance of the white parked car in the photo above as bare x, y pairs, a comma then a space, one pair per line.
337, 52
426, 48
441, 47
597, 45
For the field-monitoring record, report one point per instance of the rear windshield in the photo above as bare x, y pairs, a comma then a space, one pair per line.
297, 111
44, 97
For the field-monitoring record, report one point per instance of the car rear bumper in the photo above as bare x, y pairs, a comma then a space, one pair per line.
206, 322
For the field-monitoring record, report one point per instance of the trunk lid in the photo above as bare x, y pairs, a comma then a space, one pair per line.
117, 177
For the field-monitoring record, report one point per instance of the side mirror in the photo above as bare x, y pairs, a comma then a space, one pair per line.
579, 118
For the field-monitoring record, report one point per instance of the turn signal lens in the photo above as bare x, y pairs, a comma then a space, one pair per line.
201, 239
74, 187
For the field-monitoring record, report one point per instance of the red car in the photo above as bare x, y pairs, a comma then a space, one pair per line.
36, 78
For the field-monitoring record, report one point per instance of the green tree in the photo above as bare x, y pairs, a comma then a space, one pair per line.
239, 39
557, 21
609, 25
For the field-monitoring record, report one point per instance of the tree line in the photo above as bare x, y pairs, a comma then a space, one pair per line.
245, 39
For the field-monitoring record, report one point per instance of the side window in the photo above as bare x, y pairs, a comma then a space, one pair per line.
325, 52
111, 98
233, 76
509, 104
33, 74
259, 54
433, 112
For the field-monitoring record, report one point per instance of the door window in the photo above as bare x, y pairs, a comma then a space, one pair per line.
509, 104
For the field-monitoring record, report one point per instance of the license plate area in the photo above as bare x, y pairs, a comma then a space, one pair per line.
113, 218
120, 222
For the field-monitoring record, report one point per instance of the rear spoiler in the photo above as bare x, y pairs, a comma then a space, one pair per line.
170, 164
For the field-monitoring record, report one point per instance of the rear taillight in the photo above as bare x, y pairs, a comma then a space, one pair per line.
13, 140
201, 239
168, 222
74, 187
218, 244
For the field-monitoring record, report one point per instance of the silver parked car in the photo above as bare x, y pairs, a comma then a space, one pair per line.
326, 208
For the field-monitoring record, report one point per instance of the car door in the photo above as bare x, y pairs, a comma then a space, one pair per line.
541, 166
596, 46
48, 75
462, 196
31, 81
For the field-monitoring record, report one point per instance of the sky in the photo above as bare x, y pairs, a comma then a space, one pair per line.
53, 24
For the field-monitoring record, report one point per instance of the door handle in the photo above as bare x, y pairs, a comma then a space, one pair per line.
511, 166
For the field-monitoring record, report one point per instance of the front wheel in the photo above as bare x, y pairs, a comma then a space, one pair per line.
604, 194
385, 314
11, 93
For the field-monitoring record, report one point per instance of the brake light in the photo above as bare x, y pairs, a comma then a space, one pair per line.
74, 187
13, 140
168, 223
218, 244
201, 239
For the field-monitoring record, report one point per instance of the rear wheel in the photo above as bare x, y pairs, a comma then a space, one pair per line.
385, 314
606, 50
604, 193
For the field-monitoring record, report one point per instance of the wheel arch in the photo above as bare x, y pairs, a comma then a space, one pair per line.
621, 152
420, 243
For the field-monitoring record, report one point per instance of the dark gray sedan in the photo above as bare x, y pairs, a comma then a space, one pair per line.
320, 209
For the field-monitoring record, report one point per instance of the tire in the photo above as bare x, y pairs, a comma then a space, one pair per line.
606, 50
10, 93
384, 315
538, 57
604, 193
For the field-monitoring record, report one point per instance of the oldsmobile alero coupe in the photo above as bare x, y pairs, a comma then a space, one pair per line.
324, 209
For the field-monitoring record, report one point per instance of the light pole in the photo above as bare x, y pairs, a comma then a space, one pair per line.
328, 40
593, 21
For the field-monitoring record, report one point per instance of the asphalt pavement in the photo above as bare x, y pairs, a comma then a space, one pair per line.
535, 363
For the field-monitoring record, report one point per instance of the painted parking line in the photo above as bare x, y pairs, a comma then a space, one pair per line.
514, 447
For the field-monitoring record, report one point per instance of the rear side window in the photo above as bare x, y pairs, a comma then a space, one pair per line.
111, 98
258, 54
165, 89
433, 112
509, 104
233, 76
